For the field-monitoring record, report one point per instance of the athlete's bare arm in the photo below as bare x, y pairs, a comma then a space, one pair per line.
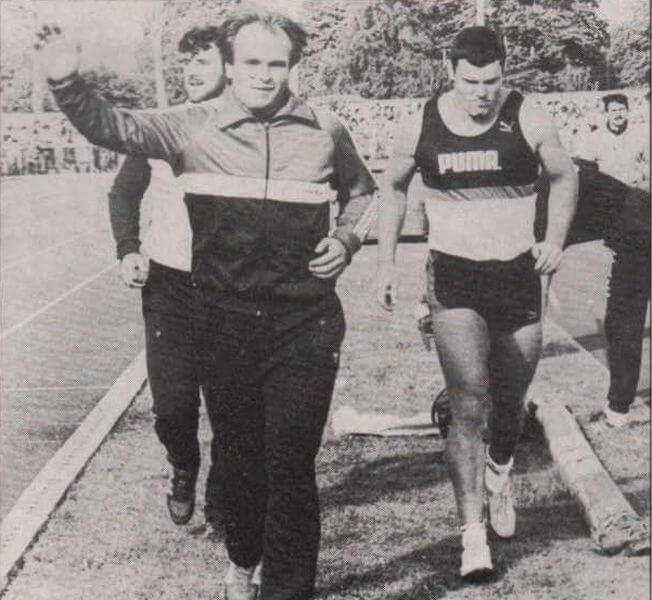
540, 132
391, 208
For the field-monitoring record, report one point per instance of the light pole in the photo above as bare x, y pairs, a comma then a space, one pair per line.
479, 12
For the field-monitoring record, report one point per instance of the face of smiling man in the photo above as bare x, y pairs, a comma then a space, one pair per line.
260, 71
203, 74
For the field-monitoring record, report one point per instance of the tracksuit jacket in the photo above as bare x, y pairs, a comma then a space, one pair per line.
258, 193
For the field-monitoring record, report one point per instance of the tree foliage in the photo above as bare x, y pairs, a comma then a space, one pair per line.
368, 48
553, 45
126, 92
16, 31
630, 49
380, 48
390, 48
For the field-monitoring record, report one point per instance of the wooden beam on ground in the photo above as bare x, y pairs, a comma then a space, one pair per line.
614, 524
30, 513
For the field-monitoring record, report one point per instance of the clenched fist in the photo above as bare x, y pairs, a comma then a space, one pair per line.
548, 257
134, 269
59, 55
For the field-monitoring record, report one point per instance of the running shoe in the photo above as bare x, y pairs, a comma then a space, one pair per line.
257, 577
616, 419
476, 556
181, 501
502, 515
239, 583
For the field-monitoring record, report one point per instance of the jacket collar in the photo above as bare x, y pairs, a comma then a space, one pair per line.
230, 111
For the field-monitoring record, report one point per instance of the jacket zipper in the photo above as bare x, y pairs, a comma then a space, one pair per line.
265, 202
266, 126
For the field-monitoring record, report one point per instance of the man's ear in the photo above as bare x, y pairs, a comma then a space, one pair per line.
228, 70
450, 69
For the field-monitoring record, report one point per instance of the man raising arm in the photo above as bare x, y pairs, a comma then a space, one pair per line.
259, 168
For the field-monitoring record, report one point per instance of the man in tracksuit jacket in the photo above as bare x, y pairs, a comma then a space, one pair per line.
157, 258
259, 168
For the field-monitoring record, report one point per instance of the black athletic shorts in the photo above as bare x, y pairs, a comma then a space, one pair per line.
506, 294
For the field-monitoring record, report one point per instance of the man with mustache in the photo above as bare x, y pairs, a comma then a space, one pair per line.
161, 267
618, 209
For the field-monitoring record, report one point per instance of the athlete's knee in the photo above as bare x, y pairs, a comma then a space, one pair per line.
469, 403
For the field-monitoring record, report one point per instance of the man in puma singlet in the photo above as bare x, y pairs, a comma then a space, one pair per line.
479, 149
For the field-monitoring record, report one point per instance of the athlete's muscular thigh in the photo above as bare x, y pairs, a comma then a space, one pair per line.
462, 341
514, 359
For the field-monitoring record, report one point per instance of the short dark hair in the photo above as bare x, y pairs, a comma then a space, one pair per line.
619, 98
269, 20
478, 45
202, 38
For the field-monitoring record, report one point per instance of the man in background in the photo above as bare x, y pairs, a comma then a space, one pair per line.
621, 211
160, 265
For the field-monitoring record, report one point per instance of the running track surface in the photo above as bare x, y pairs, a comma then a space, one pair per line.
69, 326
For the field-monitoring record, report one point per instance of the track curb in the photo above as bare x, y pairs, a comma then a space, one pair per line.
576, 445
22, 525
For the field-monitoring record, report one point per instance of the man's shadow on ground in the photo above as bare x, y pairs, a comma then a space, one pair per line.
393, 477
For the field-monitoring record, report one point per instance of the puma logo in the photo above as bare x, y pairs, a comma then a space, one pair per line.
506, 127
464, 162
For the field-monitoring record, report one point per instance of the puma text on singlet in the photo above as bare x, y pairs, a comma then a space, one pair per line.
478, 191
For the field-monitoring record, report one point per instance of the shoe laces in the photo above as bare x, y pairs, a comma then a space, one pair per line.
183, 484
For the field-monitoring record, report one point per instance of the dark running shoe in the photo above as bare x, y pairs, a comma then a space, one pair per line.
441, 413
181, 502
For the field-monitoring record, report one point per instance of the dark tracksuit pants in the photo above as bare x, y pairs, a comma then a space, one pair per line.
627, 302
168, 302
268, 379
619, 215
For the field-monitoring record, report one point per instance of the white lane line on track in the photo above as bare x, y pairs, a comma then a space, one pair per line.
56, 388
7, 332
45, 250
32, 510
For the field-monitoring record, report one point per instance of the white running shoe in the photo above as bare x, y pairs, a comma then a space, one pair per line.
502, 515
239, 584
476, 556
615, 419
257, 577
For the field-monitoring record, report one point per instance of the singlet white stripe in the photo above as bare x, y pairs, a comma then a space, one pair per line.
231, 186
487, 229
